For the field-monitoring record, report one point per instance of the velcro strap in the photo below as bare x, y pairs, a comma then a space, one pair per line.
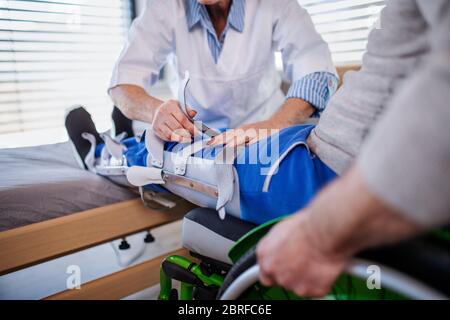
89, 160
182, 157
225, 177
155, 148
112, 147
142, 176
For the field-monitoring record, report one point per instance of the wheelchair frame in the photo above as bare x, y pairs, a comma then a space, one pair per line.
206, 278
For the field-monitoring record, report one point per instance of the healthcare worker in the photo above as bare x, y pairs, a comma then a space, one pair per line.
228, 48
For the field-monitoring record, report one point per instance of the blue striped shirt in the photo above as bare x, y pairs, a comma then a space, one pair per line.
197, 14
315, 88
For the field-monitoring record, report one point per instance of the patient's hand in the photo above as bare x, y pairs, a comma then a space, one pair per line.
306, 252
291, 257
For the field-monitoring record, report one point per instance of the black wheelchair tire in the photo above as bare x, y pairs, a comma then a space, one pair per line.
245, 262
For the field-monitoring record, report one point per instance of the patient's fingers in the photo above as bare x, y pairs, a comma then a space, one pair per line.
265, 279
264, 266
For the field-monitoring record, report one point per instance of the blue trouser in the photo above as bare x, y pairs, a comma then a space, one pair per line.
299, 177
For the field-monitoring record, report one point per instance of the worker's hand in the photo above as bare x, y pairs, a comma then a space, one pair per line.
171, 124
246, 134
290, 256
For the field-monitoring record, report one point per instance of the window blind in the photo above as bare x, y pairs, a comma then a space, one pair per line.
57, 53
345, 25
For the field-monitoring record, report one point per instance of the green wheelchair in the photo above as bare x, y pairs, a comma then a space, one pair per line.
224, 265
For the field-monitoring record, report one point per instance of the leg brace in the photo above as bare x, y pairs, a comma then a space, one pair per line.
211, 183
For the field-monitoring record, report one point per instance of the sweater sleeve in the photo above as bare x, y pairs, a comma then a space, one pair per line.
406, 159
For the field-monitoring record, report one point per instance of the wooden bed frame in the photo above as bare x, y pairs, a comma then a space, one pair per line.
39, 242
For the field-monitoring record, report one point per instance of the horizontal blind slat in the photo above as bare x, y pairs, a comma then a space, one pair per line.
84, 3
344, 25
61, 36
56, 7
54, 54
321, 7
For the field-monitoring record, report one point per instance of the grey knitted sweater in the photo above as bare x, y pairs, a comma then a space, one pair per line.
393, 117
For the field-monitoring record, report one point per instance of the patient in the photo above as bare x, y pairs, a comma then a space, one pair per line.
297, 174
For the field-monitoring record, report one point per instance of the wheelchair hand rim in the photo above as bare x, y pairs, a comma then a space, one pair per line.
391, 279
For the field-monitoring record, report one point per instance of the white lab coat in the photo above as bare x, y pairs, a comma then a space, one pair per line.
244, 85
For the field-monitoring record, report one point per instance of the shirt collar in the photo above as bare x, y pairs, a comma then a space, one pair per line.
196, 12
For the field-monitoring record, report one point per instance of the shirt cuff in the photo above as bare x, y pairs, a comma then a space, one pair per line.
315, 88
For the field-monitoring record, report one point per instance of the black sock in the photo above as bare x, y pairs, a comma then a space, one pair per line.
77, 122
122, 123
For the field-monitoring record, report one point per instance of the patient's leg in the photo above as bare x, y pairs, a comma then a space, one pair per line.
299, 175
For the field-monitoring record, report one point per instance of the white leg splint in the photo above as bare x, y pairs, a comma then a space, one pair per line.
112, 162
205, 182
211, 183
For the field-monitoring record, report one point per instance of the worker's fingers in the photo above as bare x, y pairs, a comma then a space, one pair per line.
192, 113
236, 137
177, 128
160, 132
252, 140
172, 123
260, 134
216, 140
164, 132
181, 118
175, 137
170, 114
241, 137
222, 138
167, 134
237, 140
180, 135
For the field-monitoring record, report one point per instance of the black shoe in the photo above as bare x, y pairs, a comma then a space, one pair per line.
79, 121
122, 123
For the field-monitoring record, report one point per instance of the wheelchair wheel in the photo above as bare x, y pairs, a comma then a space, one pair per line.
418, 269
247, 261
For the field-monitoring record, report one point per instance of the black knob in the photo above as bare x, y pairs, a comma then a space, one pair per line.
124, 245
149, 238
